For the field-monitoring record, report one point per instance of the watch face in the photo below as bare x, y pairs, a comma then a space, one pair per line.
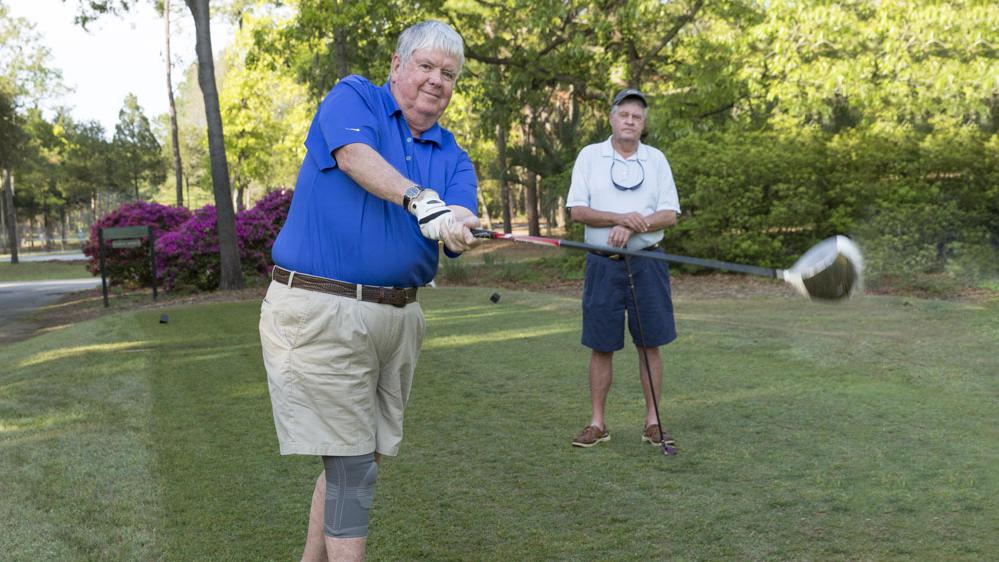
411, 193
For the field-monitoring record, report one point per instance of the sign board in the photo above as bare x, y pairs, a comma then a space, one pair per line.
126, 243
120, 232
126, 237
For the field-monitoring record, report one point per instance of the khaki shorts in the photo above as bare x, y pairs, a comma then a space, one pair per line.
339, 370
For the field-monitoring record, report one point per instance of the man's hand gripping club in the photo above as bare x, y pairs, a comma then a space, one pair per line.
449, 224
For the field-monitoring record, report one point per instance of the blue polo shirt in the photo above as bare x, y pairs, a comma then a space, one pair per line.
335, 228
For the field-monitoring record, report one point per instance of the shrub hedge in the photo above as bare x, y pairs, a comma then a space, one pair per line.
916, 203
187, 243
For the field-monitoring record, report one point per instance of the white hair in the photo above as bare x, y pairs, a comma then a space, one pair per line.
433, 35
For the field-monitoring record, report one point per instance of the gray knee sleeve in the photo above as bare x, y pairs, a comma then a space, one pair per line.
350, 489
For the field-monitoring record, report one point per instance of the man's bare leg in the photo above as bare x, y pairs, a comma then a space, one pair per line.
315, 546
656, 365
601, 375
346, 550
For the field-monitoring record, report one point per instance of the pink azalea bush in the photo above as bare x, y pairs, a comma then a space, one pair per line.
130, 266
187, 248
188, 256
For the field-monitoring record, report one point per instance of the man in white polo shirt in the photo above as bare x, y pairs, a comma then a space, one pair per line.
623, 192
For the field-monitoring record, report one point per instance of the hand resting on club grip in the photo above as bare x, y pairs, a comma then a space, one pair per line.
449, 224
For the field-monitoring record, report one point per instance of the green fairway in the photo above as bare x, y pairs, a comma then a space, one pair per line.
863, 431
42, 271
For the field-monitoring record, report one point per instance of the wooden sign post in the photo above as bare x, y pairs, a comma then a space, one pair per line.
126, 237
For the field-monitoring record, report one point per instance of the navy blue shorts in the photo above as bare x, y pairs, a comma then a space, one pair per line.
606, 297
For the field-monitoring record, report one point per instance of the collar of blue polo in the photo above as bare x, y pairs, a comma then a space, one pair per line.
433, 134
607, 151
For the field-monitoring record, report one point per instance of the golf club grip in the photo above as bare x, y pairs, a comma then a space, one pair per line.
661, 256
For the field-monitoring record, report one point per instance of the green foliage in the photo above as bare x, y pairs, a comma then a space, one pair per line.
264, 126
784, 121
25, 74
328, 40
454, 270
138, 160
911, 199
11, 134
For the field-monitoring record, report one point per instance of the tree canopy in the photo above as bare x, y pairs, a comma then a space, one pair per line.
784, 120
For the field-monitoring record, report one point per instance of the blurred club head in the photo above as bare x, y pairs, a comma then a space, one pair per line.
830, 270
495, 297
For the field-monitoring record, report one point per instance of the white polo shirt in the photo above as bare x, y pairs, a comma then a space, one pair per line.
592, 187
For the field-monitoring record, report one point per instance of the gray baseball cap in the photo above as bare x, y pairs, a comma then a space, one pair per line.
629, 93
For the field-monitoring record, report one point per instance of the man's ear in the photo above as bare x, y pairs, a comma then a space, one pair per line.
396, 63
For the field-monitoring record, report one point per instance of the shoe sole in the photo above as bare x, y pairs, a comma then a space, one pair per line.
669, 441
588, 445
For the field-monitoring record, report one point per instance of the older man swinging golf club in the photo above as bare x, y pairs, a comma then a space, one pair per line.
382, 182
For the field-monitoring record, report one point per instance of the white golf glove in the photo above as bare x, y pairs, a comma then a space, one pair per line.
439, 222
431, 213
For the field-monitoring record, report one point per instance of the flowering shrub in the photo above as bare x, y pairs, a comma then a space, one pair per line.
130, 266
256, 229
189, 256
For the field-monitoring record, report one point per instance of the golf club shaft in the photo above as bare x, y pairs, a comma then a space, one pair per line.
645, 355
710, 264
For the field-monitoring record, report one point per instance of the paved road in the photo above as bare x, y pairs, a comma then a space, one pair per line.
46, 256
18, 299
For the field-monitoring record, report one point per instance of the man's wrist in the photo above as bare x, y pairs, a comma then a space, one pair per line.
411, 193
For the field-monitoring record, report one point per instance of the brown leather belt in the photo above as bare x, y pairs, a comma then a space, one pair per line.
382, 295
611, 256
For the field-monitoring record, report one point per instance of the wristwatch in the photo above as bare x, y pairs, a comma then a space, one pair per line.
412, 192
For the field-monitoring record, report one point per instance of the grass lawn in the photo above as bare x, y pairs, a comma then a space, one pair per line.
864, 431
42, 271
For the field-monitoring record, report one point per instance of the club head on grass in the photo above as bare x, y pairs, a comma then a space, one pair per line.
830, 270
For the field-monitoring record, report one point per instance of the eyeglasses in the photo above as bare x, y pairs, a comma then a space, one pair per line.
628, 187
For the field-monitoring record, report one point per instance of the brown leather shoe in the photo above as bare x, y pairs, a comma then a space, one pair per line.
590, 436
651, 435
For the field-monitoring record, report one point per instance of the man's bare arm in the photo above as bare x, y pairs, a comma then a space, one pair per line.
592, 217
372, 172
660, 220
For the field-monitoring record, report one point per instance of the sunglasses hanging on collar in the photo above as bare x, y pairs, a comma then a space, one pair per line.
633, 187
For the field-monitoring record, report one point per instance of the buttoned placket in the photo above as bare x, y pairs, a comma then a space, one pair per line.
409, 150
417, 165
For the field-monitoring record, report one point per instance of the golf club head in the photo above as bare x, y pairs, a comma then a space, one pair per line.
668, 450
830, 270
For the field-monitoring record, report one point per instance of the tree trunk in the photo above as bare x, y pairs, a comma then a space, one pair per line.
177, 169
62, 228
341, 51
231, 274
3, 218
47, 225
531, 201
11, 215
501, 131
240, 195
487, 220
